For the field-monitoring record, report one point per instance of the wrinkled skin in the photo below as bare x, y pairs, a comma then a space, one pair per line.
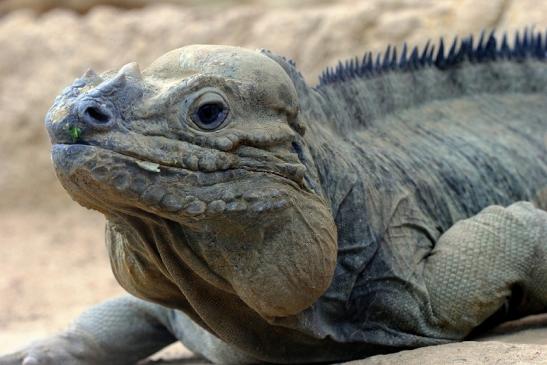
222, 174
229, 189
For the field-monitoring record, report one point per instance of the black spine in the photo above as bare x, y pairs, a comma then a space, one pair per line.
488, 48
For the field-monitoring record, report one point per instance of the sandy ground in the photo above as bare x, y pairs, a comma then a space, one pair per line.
68, 271
53, 260
55, 270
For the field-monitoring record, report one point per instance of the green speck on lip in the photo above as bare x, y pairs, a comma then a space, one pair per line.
75, 133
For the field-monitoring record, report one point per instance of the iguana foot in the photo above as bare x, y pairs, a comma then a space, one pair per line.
65, 348
118, 331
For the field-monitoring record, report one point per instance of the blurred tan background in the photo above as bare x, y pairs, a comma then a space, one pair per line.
53, 262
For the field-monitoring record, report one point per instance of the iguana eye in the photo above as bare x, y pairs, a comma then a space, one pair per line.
210, 112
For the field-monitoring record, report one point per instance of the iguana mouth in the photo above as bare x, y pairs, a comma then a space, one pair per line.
166, 188
156, 165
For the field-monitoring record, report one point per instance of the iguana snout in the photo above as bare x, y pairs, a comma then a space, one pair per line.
201, 140
107, 103
93, 105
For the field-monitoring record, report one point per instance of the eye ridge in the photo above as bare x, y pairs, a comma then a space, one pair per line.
210, 115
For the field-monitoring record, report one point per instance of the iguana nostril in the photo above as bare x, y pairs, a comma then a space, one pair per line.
95, 114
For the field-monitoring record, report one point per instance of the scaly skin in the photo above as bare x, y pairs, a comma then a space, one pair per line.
303, 227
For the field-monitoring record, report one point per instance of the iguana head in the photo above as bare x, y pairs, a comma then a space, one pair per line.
200, 166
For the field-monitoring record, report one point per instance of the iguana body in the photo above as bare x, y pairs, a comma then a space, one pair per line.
301, 224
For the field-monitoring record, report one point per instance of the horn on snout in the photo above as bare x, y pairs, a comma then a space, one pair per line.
91, 75
131, 70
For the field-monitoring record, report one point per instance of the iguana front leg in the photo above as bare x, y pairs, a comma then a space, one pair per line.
123, 331
476, 264
118, 331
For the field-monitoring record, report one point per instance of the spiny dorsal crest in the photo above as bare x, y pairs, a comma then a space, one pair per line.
488, 48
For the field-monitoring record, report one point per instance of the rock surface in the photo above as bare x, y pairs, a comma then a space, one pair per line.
469, 353
54, 263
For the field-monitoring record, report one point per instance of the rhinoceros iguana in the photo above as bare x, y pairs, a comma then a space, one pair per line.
260, 220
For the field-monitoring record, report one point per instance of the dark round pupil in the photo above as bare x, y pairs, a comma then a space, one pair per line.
209, 113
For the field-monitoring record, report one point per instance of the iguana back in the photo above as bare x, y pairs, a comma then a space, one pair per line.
407, 147
468, 125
